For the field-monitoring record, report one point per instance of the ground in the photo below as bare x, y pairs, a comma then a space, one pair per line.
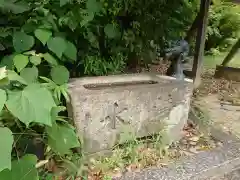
220, 101
217, 96
221, 98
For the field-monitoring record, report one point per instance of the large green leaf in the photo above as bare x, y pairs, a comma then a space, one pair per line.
57, 45
3, 98
14, 7
22, 41
20, 61
43, 35
71, 51
6, 140
8, 61
62, 138
30, 75
60, 75
111, 31
50, 59
64, 2
36, 60
87, 18
23, 169
13, 76
93, 6
32, 104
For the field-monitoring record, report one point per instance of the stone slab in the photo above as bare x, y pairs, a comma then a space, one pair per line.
203, 166
235, 175
107, 107
229, 73
222, 115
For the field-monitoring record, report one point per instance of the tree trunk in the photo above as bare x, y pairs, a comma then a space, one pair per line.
193, 28
232, 52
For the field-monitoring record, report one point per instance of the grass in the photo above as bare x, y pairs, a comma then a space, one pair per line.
137, 154
212, 61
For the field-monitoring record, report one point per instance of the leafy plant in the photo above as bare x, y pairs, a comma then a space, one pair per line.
44, 43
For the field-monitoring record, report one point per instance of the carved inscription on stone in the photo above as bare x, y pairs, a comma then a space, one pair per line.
115, 116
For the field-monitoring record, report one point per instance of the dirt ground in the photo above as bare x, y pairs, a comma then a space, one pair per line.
221, 100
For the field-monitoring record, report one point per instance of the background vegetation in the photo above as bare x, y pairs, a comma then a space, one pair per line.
44, 43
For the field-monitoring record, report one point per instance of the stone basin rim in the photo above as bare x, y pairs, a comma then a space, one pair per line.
81, 83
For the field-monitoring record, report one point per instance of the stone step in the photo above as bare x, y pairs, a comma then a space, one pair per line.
235, 175
215, 164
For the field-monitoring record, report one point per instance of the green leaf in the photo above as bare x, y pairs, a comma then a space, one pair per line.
8, 62
20, 61
3, 72
4, 82
29, 74
36, 60
32, 53
71, 51
23, 169
2, 47
22, 41
43, 35
14, 7
87, 18
32, 104
3, 99
62, 138
60, 75
111, 31
57, 45
50, 59
6, 139
13, 76
64, 2
93, 6
63, 89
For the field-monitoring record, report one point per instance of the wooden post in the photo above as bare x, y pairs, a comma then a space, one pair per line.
232, 52
200, 42
194, 26
192, 30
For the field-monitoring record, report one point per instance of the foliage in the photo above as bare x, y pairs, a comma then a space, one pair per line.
44, 43
30, 102
224, 25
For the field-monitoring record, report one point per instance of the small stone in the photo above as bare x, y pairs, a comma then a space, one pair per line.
194, 139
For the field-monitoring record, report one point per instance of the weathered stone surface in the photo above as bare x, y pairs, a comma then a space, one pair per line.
203, 166
229, 73
235, 175
105, 107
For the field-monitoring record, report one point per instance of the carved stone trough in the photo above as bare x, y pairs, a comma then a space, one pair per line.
103, 108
